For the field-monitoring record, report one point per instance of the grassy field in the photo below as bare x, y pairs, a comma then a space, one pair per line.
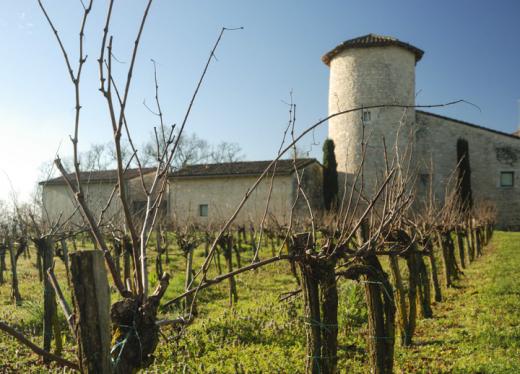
475, 330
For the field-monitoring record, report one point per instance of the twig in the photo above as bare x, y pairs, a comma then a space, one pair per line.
61, 299
172, 322
222, 277
39, 351
287, 295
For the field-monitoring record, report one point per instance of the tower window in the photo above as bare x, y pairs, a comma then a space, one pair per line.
366, 117
203, 210
507, 178
425, 179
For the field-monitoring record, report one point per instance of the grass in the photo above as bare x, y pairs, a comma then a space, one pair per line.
475, 330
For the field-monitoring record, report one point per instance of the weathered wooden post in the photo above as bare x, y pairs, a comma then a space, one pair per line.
160, 250
65, 253
3, 266
45, 248
91, 297
39, 266
127, 266
118, 250
15, 292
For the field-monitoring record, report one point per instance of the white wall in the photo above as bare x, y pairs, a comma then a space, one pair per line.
222, 195
59, 201
363, 77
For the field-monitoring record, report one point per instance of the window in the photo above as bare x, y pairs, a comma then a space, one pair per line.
365, 117
507, 178
139, 207
424, 179
203, 210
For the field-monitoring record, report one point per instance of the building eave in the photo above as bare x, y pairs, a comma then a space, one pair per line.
468, 124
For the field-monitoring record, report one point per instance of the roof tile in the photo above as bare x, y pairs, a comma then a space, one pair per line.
241, 168
371, 40
98, 176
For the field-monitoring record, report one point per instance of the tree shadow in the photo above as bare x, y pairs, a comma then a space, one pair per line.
423, 343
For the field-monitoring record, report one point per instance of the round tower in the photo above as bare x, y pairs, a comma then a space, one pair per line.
365, 72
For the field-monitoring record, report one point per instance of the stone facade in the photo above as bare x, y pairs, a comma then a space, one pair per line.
364, 77
376, 70
490, 154
222, 194
59, 203
201, 199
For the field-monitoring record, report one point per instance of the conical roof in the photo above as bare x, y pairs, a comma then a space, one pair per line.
371, 40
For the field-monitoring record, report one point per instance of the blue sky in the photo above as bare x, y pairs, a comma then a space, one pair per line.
471, 52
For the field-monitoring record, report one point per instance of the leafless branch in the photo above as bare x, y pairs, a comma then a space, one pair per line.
39, 351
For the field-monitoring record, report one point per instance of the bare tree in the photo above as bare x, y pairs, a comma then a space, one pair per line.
135, 332
226, 152
191, 149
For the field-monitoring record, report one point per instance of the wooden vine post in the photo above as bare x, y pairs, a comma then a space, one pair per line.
15, 292
91, 297
45, 248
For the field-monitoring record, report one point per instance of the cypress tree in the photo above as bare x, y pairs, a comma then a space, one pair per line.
330, 175
464, 175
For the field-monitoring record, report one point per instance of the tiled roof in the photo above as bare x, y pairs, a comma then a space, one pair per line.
98, 176
371, 40
241, 168
513, 135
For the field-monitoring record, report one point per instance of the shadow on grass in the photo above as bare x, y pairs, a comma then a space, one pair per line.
425, 343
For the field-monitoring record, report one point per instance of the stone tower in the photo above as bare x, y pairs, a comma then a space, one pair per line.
368, 71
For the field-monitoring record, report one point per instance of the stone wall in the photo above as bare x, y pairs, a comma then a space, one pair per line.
59, 202
138, 198
361, 77
183, 196
311, 180
490, 153
223, 194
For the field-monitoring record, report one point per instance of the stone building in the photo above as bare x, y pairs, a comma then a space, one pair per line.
99, 190
376, 74
374, 70
202, 194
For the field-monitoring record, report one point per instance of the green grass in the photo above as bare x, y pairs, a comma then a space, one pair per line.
475, 330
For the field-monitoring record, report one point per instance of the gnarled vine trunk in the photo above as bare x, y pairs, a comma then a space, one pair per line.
320, 294
381, 317
424, 287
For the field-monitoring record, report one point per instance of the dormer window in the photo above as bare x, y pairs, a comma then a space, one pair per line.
366, 116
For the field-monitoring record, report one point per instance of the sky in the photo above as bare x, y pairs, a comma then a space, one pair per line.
471, 52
